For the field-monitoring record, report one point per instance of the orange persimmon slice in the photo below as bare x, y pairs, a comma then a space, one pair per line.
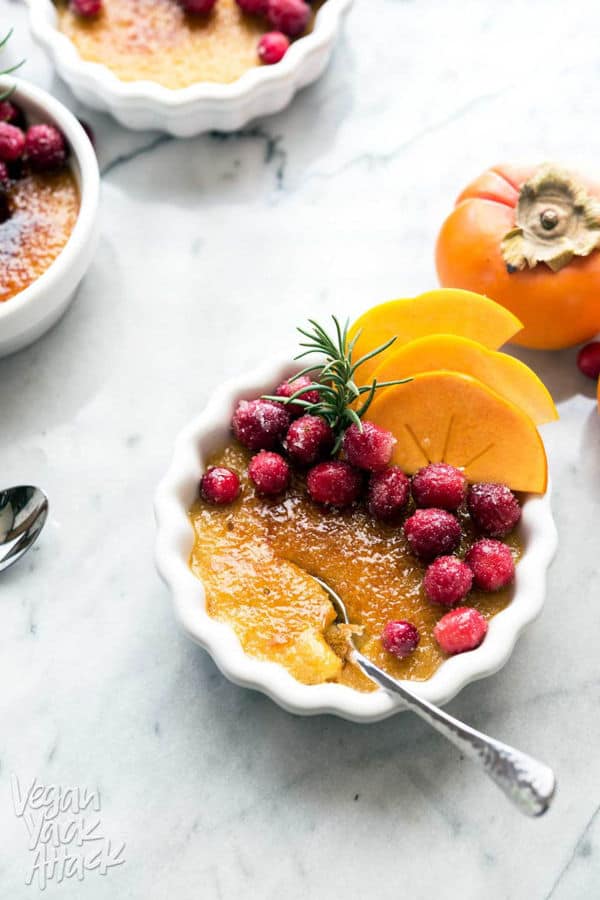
504, 374
442, 311
454, 418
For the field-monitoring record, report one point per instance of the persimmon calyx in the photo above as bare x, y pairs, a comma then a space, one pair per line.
556, 219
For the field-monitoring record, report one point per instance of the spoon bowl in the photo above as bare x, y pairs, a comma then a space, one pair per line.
23, 514
528, 783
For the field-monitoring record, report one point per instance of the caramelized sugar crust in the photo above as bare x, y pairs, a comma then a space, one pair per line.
254, 556
155, 40
44, 209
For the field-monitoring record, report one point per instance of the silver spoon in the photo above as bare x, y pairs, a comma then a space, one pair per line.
23, 514
529, 784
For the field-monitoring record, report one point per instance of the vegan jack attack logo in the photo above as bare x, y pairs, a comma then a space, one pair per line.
65, 832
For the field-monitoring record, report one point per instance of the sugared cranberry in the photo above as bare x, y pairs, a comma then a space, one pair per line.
492, 564
400, 638
260, 424
272, 47
389, 492
197, 7
289, 388
439, 485
494, 508
45, 148
447, 580
308, 440
588, 360
289, 16
369, 447
4, 176
460, 630
255, 7
431, 533
269, 473
10, 112
334, 483
12, 142
86, 8
220, 485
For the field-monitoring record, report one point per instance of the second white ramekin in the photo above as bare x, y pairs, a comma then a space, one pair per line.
200, 107
26, 316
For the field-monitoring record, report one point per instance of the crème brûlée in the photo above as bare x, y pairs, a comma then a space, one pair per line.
256, 556
43, 211
156, 40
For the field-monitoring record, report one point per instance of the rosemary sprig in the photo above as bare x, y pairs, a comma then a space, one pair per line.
10, 91
335, 381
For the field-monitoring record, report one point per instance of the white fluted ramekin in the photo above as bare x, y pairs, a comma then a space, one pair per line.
209, 432
201, 107
30, 313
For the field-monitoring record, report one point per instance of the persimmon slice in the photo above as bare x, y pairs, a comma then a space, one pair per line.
443, 311
454, 418
504, 374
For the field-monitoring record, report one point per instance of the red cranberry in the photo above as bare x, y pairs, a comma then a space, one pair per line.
447, 580
220, 485
308, 440
260, 424
492, 564
12, 142
389, 493
269, 473
255, 7
400, 638
494, 508
86, 8
334, 483
588, 359
431, 533
289, 388
370, 448
272, 47
45, 148
4, 176
197, 7
10, 113
461, 629
289, 16
439, 485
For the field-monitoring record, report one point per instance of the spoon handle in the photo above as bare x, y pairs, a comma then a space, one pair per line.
529, 784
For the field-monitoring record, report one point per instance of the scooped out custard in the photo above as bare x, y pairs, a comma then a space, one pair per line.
256, 556
156, 40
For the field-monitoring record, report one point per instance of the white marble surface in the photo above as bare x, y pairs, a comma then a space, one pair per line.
212, 250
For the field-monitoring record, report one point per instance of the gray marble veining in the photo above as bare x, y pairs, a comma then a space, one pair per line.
212, 250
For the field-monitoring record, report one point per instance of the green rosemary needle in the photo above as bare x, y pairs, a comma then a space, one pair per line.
336, 385
10, 91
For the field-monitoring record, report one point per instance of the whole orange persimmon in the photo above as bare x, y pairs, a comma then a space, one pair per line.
528, 238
